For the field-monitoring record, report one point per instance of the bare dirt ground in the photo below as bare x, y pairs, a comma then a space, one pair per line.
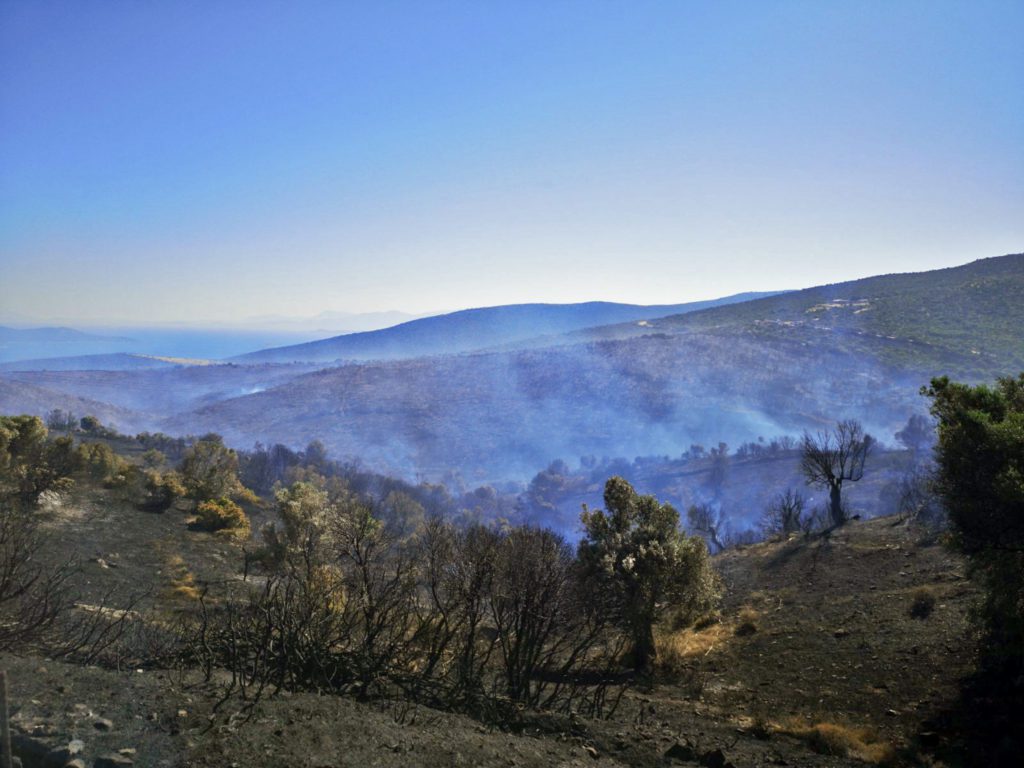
817, 661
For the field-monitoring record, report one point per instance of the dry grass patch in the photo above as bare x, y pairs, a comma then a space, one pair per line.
747, 622
183, 581
674, 649
842, 741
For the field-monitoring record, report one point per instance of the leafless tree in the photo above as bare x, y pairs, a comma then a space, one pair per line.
833, 457
919, 501
32, 595
785, 514
708, 523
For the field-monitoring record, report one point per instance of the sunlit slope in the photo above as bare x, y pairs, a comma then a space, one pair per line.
967, 320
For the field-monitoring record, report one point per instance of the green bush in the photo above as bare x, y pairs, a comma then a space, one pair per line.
639, 564
100, 463
30, 463
980, 478
161, 490
222, 515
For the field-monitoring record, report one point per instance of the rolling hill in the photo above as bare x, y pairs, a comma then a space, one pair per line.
120, 361
475, 329
771, 366
21, 397
142, 397
501, 415
966, 320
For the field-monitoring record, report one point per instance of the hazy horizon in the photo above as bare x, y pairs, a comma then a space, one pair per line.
193, 163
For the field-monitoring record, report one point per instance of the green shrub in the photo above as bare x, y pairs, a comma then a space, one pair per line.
30, 463
100, 463
222, 515
161, 490
980, 477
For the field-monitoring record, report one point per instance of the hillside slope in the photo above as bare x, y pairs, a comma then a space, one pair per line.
475, 329
814, 633
767, 367
968, 318
142, 397
22, 397
773, 366
119, 361
501, 415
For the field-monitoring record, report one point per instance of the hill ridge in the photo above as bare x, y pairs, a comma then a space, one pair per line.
476, 328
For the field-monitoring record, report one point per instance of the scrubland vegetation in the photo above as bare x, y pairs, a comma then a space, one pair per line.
328, 579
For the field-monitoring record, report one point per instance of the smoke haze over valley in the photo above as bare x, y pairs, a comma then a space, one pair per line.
443, 395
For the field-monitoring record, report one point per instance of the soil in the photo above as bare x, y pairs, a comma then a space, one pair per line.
813, 631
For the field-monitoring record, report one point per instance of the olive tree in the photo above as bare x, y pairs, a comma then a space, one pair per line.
210, 471
645, 564
980, 478
30, 463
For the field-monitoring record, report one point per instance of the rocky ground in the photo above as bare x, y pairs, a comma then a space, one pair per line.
825, 655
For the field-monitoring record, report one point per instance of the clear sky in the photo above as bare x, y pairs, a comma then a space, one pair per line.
213, 161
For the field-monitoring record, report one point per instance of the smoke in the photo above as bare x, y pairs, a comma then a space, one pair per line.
502, 416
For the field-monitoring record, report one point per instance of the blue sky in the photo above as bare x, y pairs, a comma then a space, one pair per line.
214, 161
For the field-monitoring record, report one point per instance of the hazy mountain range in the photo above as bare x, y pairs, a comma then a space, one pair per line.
511, 393
474, 329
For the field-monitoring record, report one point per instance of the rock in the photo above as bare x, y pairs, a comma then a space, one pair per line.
30, 750
590, 751
182, 713
64, 756
682, 752
76, 763
113, 761
928, 739
102, 724
127, 752
841, 632
713, 759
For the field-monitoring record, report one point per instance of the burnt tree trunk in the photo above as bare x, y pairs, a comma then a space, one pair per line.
5, 726
836, 511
